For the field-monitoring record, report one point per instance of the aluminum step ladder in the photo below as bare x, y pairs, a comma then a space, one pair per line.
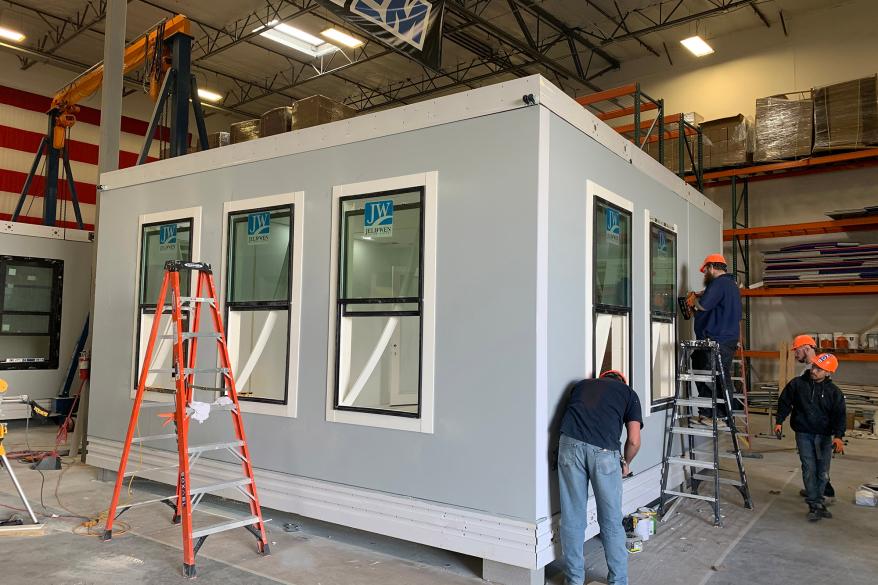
700, 450
184, 370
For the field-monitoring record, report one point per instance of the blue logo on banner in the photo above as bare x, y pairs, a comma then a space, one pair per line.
258, 227
405, 19
378, 218
662, 242
614, 226
168, 236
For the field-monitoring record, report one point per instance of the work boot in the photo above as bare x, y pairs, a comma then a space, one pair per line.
814, 514
824, 513
803, 493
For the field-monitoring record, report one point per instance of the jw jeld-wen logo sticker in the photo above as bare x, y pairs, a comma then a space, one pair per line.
168, 236
258, 227
614, 226
378, 220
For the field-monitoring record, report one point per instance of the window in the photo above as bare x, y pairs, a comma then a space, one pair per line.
384, 267
163, 236
258, 285
30, 313
612, 286
662, 294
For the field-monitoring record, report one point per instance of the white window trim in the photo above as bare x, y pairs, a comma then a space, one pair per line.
297, 200
646, 329
429, 181
593, 190
195, 238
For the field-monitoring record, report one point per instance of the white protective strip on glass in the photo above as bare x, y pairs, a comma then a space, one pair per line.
258, 348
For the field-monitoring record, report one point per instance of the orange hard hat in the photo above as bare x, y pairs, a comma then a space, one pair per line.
826, 361
713, 259
802, 341
608, 373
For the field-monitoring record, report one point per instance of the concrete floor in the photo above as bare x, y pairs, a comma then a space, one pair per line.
772, 545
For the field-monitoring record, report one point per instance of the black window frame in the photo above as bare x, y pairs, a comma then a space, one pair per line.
608, 309
151, 308
661, 316
262, 305
342, 302
54, 313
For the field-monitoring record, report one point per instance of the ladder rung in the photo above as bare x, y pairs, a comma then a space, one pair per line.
187, 371
168, 306
696, 378
157, 405
737, 379
221, 486
739, 395
214, 446
700, 402
139, 471
196, 300
691, 462
692, 431
193, 334
693, 496
207, 388
145, 502
223, 526
163, 371
723, 480
153, 438
722, 454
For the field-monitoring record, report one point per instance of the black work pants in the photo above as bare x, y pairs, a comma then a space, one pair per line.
701, 361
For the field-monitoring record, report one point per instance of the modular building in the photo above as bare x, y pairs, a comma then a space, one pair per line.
408, 296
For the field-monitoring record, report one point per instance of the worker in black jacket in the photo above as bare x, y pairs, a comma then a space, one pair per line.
818, 417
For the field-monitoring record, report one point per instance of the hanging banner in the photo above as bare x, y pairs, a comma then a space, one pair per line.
412, 27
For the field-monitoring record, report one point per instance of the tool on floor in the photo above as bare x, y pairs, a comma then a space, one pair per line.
17, 524
185, 408
700, 466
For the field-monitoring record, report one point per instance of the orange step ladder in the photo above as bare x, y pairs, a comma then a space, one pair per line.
185, 350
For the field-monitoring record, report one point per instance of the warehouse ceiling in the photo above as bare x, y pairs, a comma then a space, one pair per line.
571, 42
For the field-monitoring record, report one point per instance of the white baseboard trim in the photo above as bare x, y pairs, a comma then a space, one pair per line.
497, 538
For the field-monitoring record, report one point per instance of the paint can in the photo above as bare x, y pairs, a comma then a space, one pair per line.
825, 341
642, 528
841, 340
853, 340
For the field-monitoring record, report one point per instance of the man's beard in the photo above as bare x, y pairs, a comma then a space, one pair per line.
708, 278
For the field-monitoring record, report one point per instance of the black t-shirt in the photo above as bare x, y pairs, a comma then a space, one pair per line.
596, 411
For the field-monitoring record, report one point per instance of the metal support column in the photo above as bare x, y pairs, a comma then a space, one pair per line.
181, 49
740, 218
53, 160
637, 115
661, 131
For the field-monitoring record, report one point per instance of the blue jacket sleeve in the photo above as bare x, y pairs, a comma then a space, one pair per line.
785, 403
712, 296
839, 414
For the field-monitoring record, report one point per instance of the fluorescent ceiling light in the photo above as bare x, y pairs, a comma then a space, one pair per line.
210, 96
12, 35
297, 39
697, 46
342, 37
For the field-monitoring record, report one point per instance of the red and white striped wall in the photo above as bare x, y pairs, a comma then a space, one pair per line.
23, 123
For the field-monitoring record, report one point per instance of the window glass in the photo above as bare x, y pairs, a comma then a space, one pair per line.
259, 255
379, 305
612, 257
160, 243
30, 312
664, 358
381, 252
663, 270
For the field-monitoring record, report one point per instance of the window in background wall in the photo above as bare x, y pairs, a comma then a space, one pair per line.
30, 312
662, 290
380, 303
160, 242
258, 288
612, 287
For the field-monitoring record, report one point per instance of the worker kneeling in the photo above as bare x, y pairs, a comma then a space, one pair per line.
818, 417
589, 451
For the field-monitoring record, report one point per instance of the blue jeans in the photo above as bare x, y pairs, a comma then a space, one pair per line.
579, 463
815, 452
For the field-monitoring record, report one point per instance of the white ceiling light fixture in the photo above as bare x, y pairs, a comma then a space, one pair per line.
297, 39
209, 96
11, 35
342, 37
697, 46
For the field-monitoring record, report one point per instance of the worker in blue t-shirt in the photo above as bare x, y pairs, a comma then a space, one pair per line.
718, 317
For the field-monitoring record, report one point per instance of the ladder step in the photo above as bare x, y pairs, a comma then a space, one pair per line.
693, 496
207, 388
139, 471
188, 371
707, 379
215, 446
737, 379
154, 438
723, 480
739, 395
163, 371
700, 402
145, 502
223, 526
692, 431
722, 454
157, 405
221, 486
197, 300
691, 462
193, 335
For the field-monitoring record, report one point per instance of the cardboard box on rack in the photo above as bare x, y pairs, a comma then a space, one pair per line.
784, 128
727, 142
672, 145
846, 115
276, 121
318, 109
244, 131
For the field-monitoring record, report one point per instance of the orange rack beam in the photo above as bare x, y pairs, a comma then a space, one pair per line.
802, 164
647, 124
852, 289
804, 229
845, 357
609, 94
621, 113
